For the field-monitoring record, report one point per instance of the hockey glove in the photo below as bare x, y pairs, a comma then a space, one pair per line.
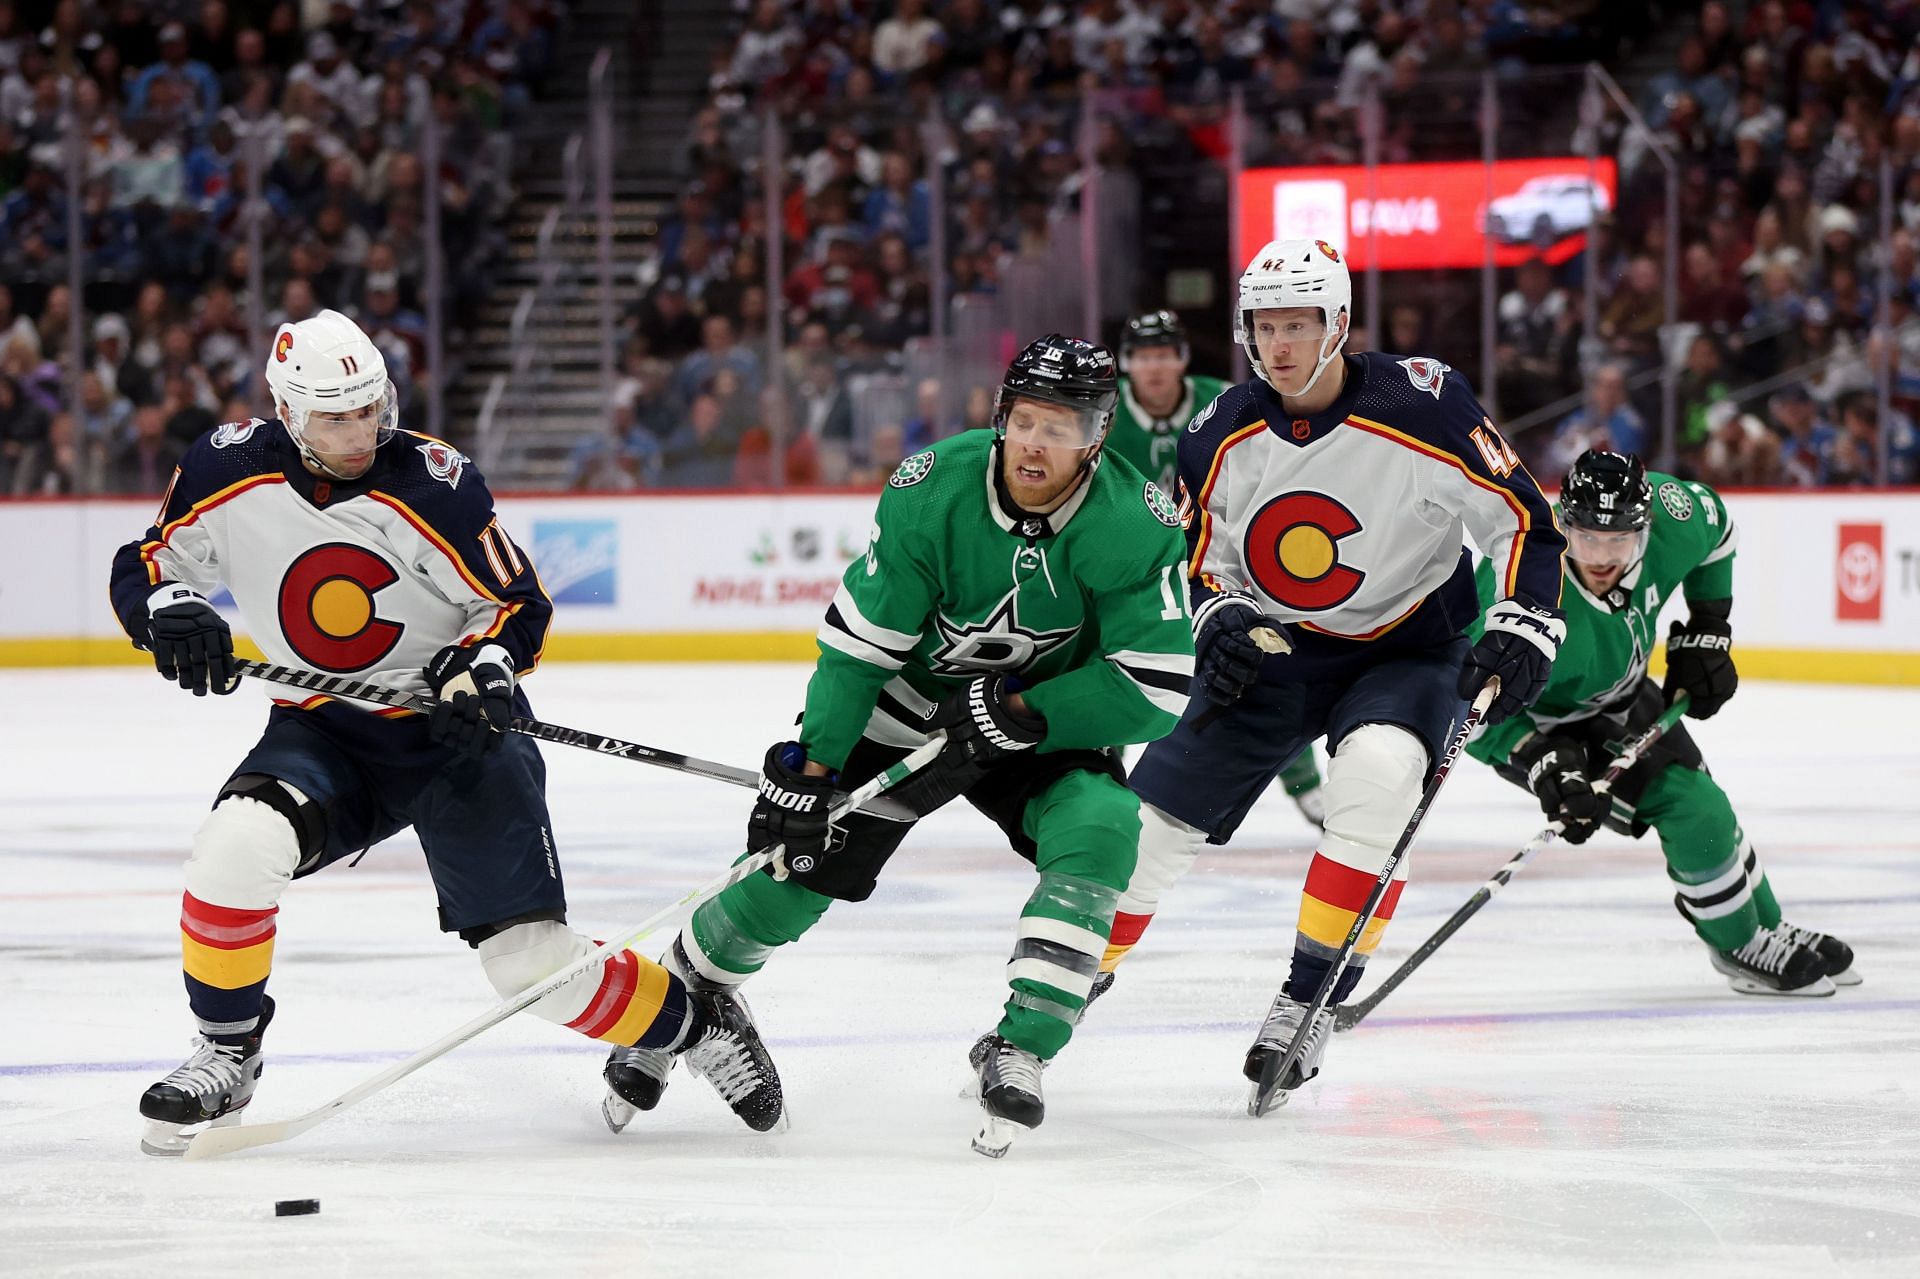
475, 691
983, 727
1557, 775
191, 643
1519, 645
791, 809
1227, 657
1700, 664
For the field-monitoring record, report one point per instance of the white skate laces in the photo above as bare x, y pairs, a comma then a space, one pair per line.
213, 1067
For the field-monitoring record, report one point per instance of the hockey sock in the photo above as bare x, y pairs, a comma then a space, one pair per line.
731, 937
1301, 774
1709, 861
225, 955
637, 1003
1056, 953
1334, 894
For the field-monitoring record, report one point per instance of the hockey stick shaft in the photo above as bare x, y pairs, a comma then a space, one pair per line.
220, 1141
600, 744
1276, 1067
1350, 1016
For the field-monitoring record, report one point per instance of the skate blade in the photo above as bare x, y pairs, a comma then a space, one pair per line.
1847, 978
1819, 988
995, 1137
170, 1140
617, 1111
1278, 1098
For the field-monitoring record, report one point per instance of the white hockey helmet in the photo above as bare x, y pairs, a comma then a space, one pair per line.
326, 364
1294, 273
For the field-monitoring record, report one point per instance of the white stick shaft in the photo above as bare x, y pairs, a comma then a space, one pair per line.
220, 1141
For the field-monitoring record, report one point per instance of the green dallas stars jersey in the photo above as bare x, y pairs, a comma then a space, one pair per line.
1153, 444
1087, 606
1689, 548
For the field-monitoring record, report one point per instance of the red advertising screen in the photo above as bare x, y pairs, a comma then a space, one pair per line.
1426, 216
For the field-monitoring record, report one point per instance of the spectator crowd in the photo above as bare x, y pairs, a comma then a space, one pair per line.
172, 103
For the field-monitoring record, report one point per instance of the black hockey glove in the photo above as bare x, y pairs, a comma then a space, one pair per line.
1700, 664
191, 643
983, 728
791, 809
1557, 774
1227, 657
1519, 645
475, 691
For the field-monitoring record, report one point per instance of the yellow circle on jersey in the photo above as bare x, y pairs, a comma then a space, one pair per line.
342, 607
1306, 552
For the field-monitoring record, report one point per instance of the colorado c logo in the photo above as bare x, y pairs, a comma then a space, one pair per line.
327, 608
1333, 254
281, 346
1293, 551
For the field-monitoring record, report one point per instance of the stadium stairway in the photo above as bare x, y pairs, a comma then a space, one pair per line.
660, 51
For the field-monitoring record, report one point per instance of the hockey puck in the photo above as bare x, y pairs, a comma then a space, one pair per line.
295, 1207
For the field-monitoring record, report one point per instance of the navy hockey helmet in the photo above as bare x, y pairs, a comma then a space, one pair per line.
1155, 328
1057, 369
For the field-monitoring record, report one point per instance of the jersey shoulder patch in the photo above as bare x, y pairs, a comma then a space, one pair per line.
1161, 505
1426, 373
443, 461
913, 470
228, 434
1677, 500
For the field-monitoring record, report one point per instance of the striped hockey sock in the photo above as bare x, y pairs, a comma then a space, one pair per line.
225, 956
1336, 889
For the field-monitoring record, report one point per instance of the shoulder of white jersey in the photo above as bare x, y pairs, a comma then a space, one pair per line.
1419, 397
435, 481
230, 454
1229, 414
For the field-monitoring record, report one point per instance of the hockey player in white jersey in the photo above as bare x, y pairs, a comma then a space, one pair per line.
1327, 501
357, 549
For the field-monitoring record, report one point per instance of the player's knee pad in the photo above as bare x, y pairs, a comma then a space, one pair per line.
247, 850
517, 957
1167, 849
1091, 828
1374, 780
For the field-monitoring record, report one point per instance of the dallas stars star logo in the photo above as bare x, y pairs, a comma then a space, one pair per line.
999, 643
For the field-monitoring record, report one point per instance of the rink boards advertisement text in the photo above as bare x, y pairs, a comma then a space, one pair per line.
1827, 586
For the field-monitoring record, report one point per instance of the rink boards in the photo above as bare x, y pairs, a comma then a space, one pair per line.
1827, 585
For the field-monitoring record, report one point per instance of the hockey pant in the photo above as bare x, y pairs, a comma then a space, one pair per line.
1067, 811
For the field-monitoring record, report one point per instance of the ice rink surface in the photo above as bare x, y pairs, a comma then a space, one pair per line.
1567, 1088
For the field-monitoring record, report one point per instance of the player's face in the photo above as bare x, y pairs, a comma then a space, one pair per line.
1156, 372
344, 441
1289, 340
1045, 445
1602, 556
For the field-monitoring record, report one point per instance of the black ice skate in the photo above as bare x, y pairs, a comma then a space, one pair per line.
728, 1054
635, 1079
211, 1087
1010, 1096
977, 1054
1773, 963
1835, 955
1283, 1021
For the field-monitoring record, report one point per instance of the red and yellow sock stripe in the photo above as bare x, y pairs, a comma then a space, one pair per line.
628, 1005
1333, 897
1124, 937
224, 947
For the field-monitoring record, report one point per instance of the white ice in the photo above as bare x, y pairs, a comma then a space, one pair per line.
1566, 1088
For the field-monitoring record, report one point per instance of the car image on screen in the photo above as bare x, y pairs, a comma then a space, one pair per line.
1545, 209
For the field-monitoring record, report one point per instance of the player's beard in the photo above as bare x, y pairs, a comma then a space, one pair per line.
1063, 469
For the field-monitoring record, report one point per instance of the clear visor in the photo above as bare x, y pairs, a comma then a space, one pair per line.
1041, 424
346, 432
1602, 549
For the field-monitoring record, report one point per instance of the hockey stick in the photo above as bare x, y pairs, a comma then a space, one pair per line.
340, 686
1347, 1017
220, 1141
1276, 1067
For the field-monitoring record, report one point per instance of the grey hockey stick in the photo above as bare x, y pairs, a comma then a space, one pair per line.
219, 1141
360, 691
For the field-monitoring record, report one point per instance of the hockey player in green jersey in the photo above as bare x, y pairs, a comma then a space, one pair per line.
1022, 594
1633, 540
1158, 397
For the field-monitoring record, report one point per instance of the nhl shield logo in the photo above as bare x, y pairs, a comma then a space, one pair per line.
1162, 506
1426, 374
912, 471
235, 433
444, 462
